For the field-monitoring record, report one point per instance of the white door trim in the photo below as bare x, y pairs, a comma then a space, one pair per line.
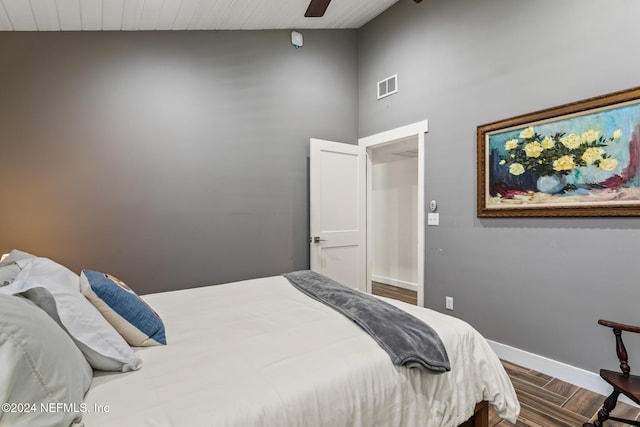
418, 130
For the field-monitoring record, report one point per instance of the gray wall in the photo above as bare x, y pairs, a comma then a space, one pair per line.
536, 284
179, 159
168, 159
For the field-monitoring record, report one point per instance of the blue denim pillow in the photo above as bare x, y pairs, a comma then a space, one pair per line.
138, 324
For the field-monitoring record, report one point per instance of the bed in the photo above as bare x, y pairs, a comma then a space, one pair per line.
261, 353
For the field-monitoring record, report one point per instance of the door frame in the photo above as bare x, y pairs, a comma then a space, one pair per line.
391, 136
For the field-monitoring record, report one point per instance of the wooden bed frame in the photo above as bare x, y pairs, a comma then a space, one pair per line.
480, 417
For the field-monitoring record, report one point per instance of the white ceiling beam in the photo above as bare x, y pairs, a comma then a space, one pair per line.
91, 15
69, 15
46, 14
20, 14
132, 14
151, 13
112, 15
168, 14
5, 22
218, 16
200, 17
184, 15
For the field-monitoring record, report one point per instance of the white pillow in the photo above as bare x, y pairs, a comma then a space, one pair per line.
56, 290
41, 367
8, 267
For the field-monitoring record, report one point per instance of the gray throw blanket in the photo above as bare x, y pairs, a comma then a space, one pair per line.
408, 340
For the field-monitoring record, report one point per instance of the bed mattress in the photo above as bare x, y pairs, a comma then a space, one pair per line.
261, 353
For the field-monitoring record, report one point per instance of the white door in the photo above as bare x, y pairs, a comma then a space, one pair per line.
338, 212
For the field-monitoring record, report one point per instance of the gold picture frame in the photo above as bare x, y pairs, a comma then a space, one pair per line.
577, 159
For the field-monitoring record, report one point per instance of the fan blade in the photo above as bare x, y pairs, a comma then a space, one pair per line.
317, 8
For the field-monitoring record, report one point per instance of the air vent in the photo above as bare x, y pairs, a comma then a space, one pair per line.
410, 153
388, 86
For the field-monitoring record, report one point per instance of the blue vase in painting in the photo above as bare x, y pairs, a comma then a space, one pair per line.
550, 184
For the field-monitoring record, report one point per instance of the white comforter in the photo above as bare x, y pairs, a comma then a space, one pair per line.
261, 353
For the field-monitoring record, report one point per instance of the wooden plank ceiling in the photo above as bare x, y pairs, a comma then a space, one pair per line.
137, 15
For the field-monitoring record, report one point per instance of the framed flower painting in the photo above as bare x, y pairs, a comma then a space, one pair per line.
578, 159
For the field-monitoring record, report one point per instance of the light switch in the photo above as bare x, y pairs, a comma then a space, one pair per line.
433, 219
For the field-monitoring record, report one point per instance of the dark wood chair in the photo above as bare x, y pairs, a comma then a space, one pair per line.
622, 382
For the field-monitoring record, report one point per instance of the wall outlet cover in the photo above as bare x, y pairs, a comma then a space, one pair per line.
433, 219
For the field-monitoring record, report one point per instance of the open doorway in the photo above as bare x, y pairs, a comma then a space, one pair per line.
394, 222
395, 208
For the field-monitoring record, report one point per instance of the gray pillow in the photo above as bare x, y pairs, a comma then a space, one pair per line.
8, 267
41, 366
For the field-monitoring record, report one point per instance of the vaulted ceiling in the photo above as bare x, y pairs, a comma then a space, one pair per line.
135, 15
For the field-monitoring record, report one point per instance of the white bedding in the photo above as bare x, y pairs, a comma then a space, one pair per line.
261, 353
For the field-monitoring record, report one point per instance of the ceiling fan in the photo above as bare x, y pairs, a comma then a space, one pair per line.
317, 8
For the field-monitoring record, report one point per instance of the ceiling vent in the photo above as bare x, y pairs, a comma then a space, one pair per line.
388, 86
410, 153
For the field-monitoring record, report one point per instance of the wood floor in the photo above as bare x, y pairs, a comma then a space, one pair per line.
394, 292
544, 401
549, 402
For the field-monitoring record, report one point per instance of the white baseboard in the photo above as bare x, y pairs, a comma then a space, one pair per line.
571, 374
395, 282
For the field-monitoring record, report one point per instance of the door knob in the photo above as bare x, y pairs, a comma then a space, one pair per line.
317, 239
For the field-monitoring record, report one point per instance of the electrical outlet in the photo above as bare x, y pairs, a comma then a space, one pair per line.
449, 303
433, 218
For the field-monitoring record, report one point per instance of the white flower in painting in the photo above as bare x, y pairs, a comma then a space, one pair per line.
617, 134
548, 143
592, 154
590, 135
511, 144
564, 163
608, 164
533, 149
527, 133
571, 141
516, 169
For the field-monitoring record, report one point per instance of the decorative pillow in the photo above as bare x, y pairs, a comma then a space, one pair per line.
138, 324
56, 290
41, 367
8, 267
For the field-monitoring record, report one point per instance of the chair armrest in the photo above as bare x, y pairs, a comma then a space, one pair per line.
621, 326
